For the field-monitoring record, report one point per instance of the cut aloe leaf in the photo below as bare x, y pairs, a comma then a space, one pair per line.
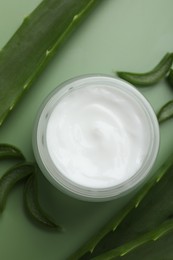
32, 205
151, 206
11, 177
151, 77
166, 112
170, 77
35, 42
8, 151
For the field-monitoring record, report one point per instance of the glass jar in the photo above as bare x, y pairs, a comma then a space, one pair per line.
55, 174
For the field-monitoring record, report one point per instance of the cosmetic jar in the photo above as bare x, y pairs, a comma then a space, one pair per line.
96, 138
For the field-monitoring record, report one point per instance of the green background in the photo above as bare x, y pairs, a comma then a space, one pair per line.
128, 35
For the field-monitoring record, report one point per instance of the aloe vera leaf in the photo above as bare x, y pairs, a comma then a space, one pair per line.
151, 77
104, 239
140, 246
11, 177
160, 249
170, 77
33, 208
153, 250
8, 151
166, 112
155, 208
35, 42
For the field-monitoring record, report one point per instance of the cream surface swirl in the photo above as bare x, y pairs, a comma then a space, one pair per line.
97, 136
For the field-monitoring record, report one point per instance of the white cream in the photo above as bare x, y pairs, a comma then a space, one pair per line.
98, 136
